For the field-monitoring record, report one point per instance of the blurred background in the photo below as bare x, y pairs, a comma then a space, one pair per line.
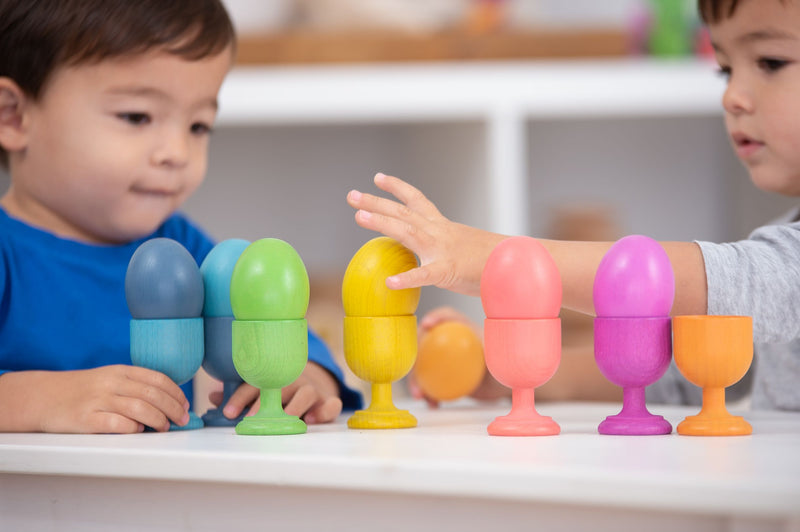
578, 119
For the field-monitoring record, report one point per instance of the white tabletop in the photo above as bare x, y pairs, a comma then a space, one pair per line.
450, 455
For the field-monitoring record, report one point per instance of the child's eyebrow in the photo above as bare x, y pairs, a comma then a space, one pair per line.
766, 35
156, 93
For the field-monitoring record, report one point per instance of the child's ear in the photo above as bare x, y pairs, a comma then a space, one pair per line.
12, 107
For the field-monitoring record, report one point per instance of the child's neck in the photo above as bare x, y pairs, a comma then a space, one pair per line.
37, 215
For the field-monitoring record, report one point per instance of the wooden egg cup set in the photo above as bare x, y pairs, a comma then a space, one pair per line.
633, 336
521, 295
241, 315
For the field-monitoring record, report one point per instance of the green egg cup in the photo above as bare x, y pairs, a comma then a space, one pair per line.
270, 355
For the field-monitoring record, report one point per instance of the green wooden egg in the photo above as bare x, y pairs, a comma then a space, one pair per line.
269, 282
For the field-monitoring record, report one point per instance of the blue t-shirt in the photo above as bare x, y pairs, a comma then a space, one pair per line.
63, 306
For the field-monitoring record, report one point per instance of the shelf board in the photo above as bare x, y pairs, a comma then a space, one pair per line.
465, 91
304, 47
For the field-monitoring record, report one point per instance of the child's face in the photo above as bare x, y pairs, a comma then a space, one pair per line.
759, 48
114, 148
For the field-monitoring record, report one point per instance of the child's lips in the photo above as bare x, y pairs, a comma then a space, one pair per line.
746, 147
154, 192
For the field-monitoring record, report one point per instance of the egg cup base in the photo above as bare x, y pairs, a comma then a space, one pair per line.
194, 423
271, 426
382, 419
528, 426
628, 425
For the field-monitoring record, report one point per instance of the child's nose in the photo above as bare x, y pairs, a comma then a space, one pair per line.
172, 149
737, 98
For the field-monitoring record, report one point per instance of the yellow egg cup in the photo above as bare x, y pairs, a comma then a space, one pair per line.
380, 329
381, 350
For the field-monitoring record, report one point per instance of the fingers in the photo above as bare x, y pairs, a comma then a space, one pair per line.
111, 423
241, 398
215, 397
324, 411
158, 380
407, 194
307, 403
141, 411
407, 234
151, 398
418, 393
430, 274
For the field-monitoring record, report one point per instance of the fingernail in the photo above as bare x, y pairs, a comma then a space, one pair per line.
355, 195
186, 405
229, 412
380, 175
185, 419
364, 215
309, 419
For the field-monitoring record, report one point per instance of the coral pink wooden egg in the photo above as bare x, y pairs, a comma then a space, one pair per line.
520, 281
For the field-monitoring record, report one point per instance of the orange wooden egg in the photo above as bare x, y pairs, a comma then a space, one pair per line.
449, 362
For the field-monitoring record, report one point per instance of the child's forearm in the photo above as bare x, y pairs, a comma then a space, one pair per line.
578, 261
20, 405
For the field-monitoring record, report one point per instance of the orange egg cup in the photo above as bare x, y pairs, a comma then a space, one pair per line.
713, 352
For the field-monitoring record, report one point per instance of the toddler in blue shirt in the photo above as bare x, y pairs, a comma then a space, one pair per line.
106, 107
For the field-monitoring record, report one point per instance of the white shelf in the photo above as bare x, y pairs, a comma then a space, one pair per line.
468, 91
448, 470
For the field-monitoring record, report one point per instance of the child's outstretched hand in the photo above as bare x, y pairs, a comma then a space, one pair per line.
452, 255
314, 396
109, 399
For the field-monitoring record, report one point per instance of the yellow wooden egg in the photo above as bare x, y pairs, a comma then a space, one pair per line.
450, 362
364, 290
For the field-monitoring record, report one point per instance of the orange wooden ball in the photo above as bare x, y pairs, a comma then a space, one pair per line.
449, 362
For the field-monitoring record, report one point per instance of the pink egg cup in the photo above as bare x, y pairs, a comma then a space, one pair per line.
633, 353
522, 354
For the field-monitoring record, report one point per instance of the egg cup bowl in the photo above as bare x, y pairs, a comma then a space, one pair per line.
381, 350
218, 363
713, 352
172, 346
269, 355
523, 354
633, 353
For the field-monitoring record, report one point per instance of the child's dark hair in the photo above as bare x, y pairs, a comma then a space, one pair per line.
37, 36
714, 11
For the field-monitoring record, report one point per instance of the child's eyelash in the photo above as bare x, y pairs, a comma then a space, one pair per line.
134, 118
724, 72
770, 64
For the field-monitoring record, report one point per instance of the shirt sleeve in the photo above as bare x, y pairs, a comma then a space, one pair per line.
758, 277
319, 353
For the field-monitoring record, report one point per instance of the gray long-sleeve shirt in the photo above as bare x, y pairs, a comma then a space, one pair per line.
758, 277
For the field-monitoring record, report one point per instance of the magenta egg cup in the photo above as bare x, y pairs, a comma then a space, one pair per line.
633, 353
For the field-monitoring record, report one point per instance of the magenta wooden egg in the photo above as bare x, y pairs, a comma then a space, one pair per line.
634, 279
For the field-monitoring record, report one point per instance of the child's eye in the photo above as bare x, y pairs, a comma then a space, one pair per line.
769, 65
200, 128
137, 119
725, 72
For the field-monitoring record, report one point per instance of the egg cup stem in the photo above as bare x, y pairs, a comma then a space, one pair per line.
271, 418
633, 353
714, 418
381, 413
523, 420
